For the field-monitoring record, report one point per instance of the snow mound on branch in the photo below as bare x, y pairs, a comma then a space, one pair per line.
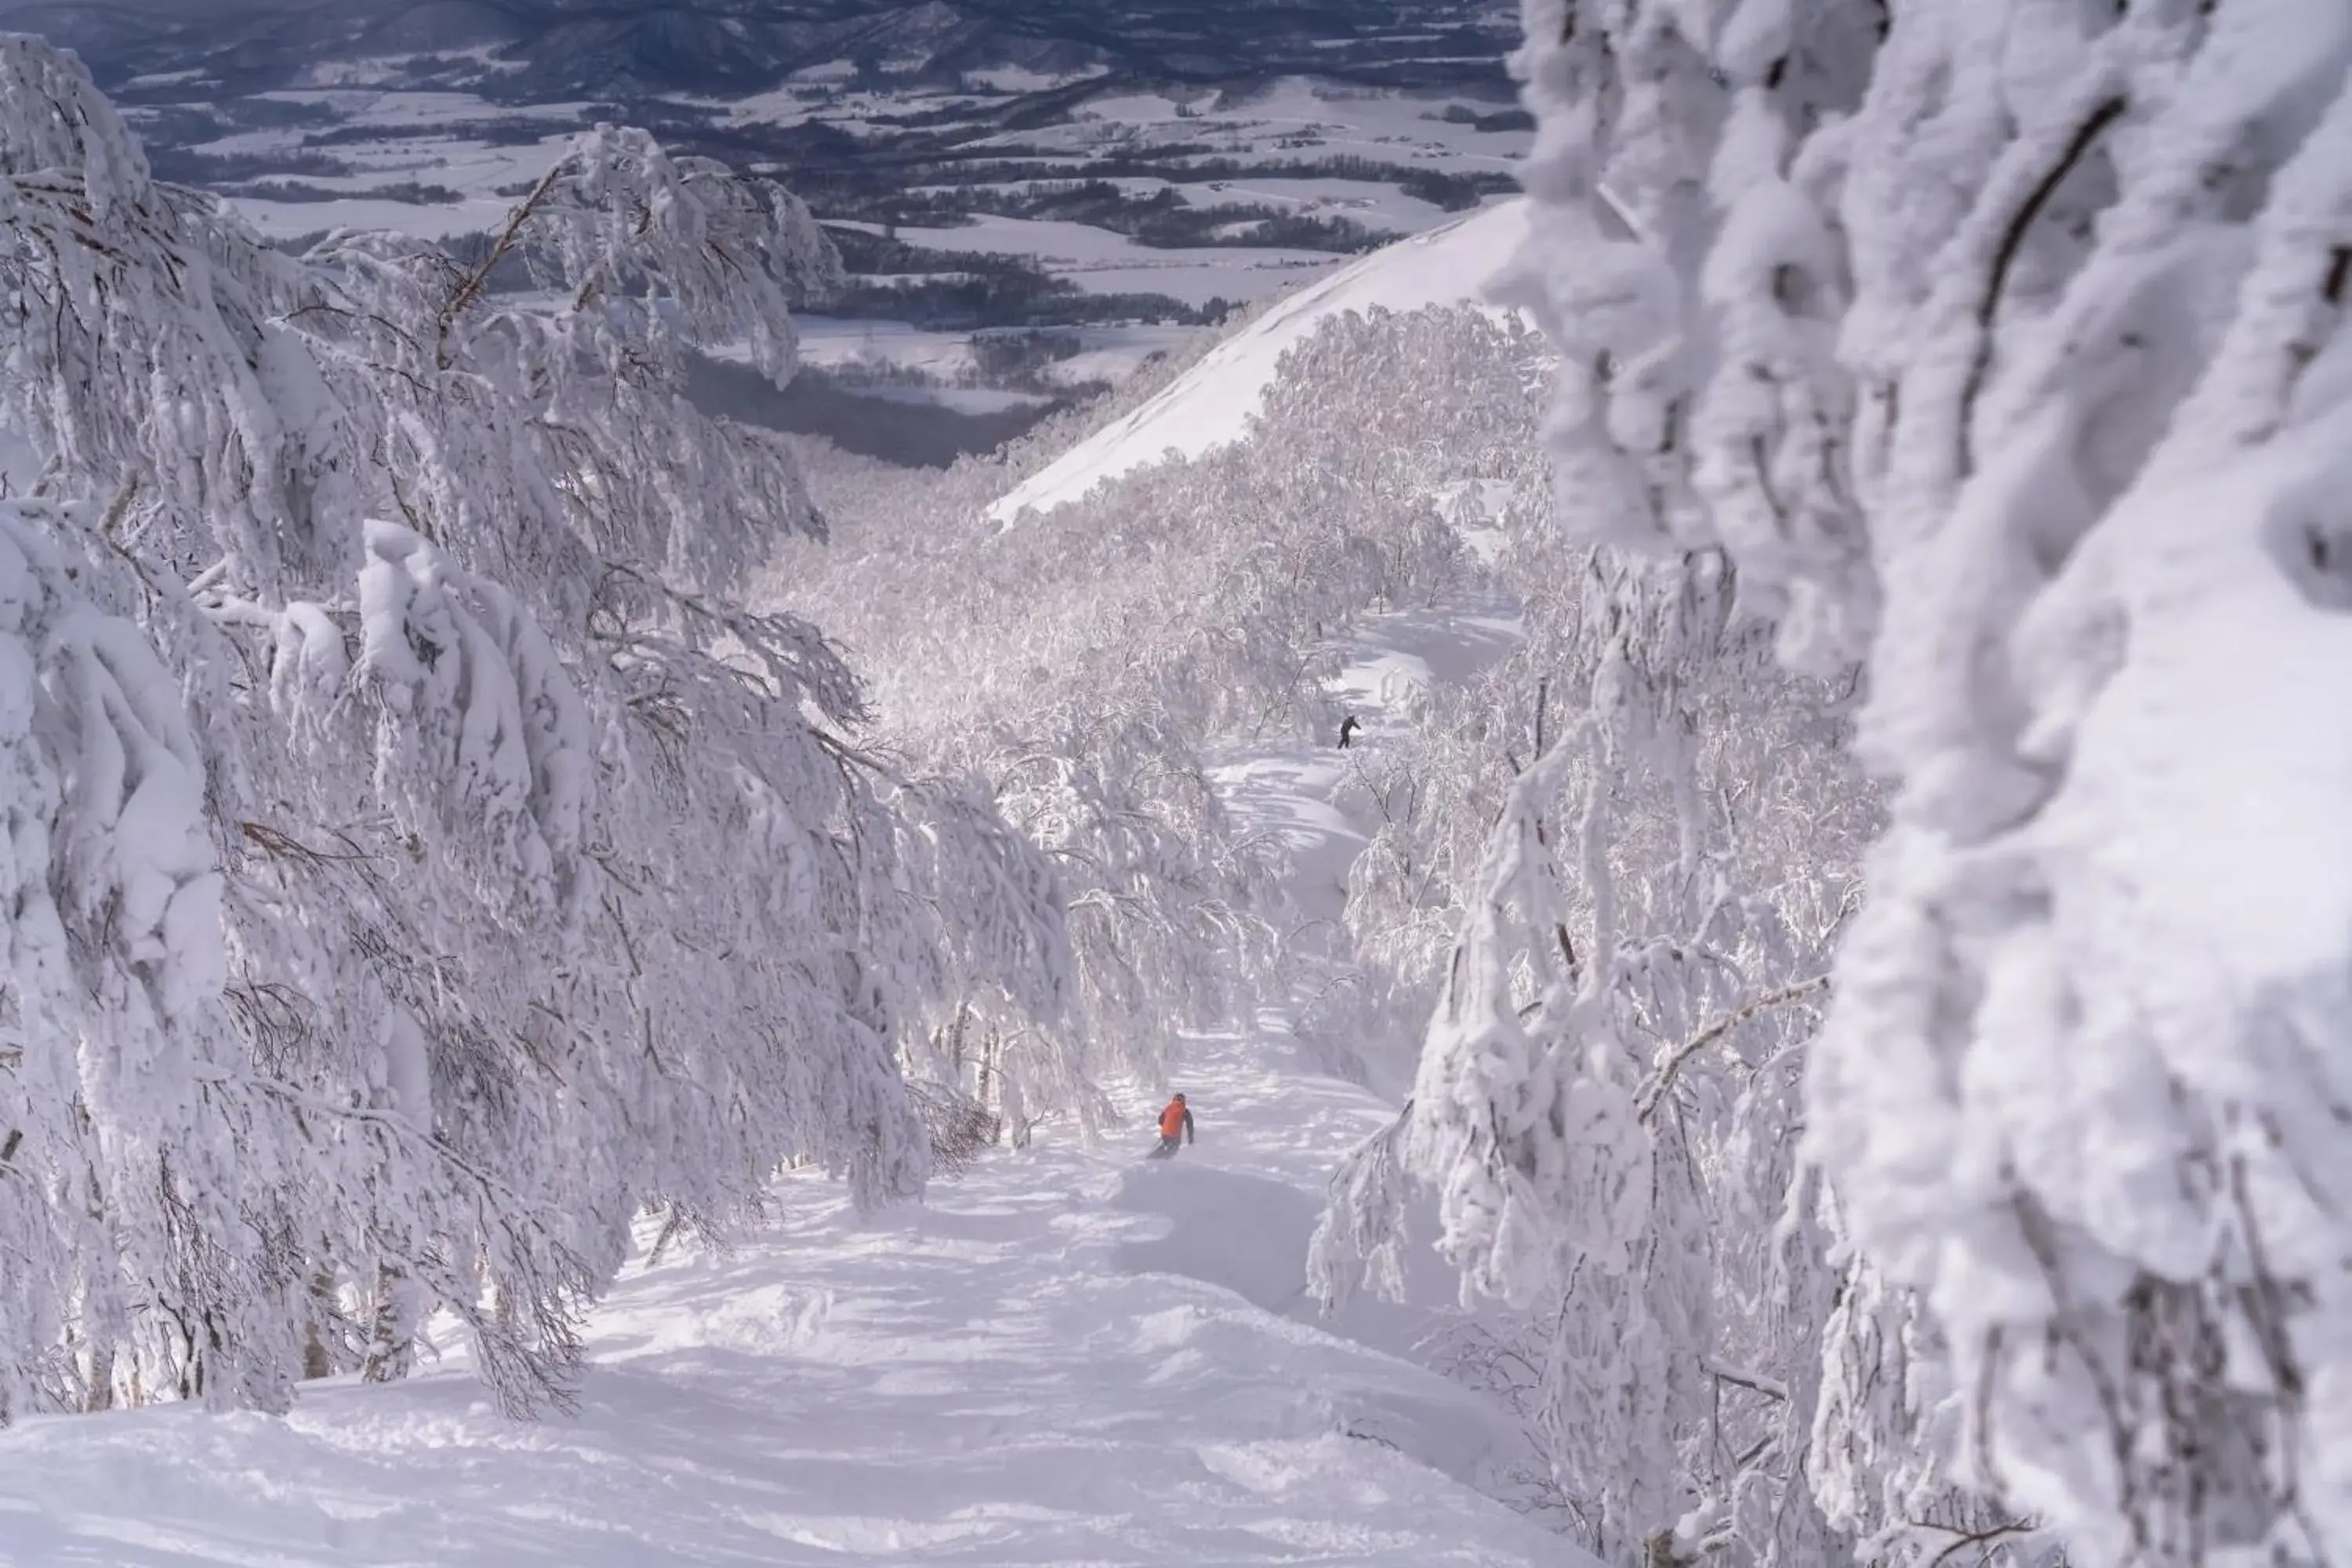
1212, 404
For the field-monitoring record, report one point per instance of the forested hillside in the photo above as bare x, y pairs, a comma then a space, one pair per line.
1730, 827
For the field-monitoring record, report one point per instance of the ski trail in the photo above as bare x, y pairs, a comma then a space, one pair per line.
1029, 1369
1269, 1105
1068, 1356
1396, 665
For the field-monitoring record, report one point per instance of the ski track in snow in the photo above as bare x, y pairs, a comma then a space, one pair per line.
1068, 1356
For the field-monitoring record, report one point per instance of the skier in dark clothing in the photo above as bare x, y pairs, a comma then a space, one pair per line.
1348, 728
1175, 1126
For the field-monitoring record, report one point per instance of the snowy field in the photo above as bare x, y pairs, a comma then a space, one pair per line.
1064, 1358
833, 342
1291, 120
371, 146
875, 347
1102, 261
1112, 353
1375, 204
1070, 1356
1372, 125
476, 214
1371, 202
434, 137
477, 63
427, 139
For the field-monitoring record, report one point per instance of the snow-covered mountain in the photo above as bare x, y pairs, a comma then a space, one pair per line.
1212, 404
1823, 779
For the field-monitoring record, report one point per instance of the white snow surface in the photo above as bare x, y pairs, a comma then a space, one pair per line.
1064, 1358
1213, 404
1068, 1355
1108, 352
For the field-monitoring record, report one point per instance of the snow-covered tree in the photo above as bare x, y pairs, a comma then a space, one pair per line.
1605, 1105
422, 862
1187, 609
1989, 359
124, 1178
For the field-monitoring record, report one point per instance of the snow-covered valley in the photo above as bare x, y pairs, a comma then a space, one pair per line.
1067, 1355
1040, 170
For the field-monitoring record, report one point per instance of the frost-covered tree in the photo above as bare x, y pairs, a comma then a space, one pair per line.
1086, 660
421, 863
1989, 359
1606, 1103
121, 1172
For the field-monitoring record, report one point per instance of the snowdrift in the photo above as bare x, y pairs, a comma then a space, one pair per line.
1242, 1234
1213, 403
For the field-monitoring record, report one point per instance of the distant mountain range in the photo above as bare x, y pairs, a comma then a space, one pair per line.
526, 50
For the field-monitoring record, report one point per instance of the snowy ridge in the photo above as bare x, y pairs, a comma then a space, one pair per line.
1211, 406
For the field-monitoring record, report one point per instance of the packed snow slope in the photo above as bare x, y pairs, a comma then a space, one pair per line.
1069, 1355
1212, 404
1064, 1358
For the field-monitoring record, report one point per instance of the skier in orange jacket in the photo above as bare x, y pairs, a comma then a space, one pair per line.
1175, 1127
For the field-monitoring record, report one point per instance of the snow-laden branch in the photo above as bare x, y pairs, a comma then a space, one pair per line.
1659, 1087
419, 861
2000, 351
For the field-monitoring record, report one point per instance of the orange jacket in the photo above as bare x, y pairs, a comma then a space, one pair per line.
1175, 1119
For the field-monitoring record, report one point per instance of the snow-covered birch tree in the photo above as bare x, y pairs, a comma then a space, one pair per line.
1990, 358
1187, 608
423, 863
